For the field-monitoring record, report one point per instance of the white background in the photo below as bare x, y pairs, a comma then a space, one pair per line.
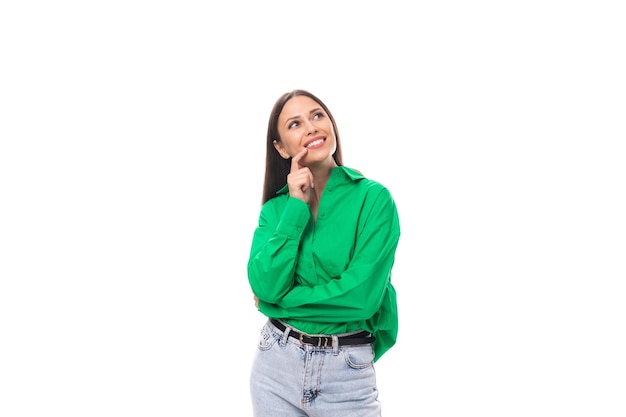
131, 165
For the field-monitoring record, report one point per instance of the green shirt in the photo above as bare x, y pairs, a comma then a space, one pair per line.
332, 275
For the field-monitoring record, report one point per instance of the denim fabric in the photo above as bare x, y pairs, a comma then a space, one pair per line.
290, 379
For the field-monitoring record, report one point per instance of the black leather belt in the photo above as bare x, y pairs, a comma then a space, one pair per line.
360, 338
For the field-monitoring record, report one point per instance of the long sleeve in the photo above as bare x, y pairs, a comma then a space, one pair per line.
274, 252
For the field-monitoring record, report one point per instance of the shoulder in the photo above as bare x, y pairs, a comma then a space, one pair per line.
369, 189
275, 203
363, 180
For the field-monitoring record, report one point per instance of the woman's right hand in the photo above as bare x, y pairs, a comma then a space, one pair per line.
300, 179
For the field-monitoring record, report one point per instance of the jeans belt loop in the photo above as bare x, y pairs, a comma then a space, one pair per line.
285, 337
335, 345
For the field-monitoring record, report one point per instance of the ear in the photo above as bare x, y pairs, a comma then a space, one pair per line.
279, 147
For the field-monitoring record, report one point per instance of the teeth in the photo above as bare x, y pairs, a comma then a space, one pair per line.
315, 142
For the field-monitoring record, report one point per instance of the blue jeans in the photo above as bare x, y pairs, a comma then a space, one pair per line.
291, 379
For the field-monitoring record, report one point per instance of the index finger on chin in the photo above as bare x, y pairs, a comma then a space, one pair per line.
296, 158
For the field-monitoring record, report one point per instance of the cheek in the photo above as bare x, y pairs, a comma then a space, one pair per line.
334, 139
289, 143
287, 149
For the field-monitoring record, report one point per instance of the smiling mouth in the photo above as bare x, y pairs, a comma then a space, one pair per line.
315, 143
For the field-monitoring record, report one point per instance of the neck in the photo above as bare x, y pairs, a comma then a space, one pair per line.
321, 173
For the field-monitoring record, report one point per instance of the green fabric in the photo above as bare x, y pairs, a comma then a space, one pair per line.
332, 275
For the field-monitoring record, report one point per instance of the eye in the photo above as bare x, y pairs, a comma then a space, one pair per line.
294, 125
318, 115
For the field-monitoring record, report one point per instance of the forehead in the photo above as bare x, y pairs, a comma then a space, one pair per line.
298, 106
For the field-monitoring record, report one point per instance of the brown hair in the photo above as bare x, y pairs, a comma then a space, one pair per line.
276, 167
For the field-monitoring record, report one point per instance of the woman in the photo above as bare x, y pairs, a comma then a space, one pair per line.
320, 269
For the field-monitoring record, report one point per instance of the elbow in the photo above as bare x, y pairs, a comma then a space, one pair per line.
272, 297
267, 283
269, 292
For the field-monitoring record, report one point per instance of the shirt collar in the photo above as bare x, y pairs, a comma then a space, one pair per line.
342, 174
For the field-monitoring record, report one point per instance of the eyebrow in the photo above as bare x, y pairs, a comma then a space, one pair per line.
297, 116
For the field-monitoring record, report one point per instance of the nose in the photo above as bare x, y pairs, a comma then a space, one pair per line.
310, 127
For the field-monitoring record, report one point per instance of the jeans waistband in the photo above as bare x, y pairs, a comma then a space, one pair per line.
357, 338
